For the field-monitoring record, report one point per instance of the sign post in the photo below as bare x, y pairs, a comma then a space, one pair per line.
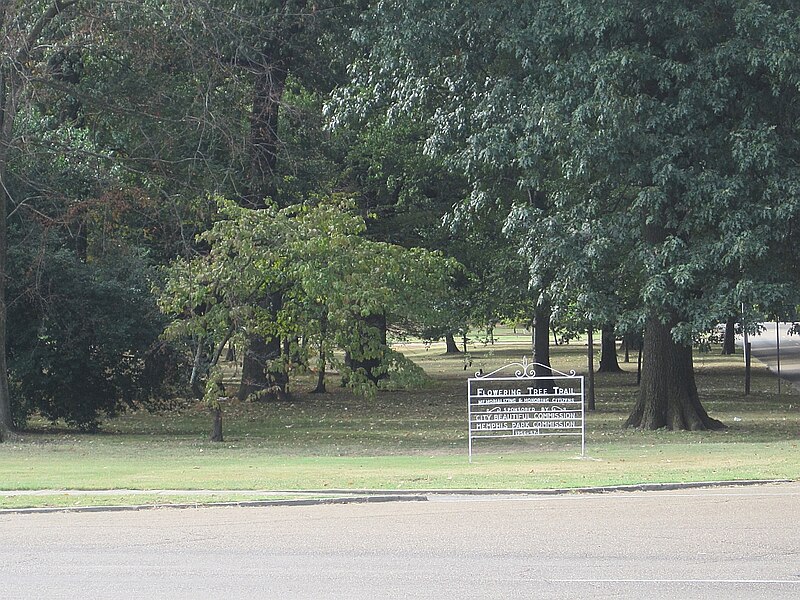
523, 404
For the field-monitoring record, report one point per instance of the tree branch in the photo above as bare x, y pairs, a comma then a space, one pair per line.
55, 9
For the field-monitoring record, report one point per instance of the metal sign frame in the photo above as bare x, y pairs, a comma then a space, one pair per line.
525, 404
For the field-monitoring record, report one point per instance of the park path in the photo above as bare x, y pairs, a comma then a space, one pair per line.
765, 349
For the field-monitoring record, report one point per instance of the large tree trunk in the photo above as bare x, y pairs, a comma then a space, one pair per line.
608, 351
590, 397
268, 90
216, 425
729, 342
320, 389
450, 343
668, 393
254, 365
541, 314
259, 377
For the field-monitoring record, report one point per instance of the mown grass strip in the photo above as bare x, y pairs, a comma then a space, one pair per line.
416, 439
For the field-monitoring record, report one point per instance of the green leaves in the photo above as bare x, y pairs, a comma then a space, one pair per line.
331, 277
630, 118
88, 345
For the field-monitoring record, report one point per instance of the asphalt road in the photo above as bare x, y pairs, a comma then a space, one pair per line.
720, 543
765, 348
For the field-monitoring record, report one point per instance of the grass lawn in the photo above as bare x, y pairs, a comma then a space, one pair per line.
409, 440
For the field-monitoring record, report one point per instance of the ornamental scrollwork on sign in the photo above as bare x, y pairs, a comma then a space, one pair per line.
525, 370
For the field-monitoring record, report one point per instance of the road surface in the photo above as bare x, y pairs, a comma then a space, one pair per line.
726, 543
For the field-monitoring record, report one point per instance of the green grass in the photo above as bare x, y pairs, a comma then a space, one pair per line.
411, 440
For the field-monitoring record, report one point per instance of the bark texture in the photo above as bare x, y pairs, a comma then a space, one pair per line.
259, 373
608, 351
450, 343
323, 359
320, 388
216, 427
590, 398
268, 91
729, 342
668, 395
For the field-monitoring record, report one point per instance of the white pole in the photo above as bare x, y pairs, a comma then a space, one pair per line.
583, 419
469, 418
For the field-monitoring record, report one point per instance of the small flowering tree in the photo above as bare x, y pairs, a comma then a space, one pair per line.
331, 281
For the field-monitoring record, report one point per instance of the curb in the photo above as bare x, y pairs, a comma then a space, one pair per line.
380, 496
372, 499
637, 487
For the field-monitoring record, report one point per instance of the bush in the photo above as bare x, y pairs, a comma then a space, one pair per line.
84, 339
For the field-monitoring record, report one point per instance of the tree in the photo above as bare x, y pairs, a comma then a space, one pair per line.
608, 350
260, 47
665, 132
84, 180
686, 89
331, 279
84, 337
404, 196
23, 27
84, 329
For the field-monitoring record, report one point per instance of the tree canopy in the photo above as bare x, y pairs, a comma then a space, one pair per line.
331, 278
665, 133
610, 163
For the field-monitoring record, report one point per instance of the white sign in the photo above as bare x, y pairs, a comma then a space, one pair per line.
525, 405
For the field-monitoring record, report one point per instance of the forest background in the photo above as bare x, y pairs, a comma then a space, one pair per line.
298, 182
